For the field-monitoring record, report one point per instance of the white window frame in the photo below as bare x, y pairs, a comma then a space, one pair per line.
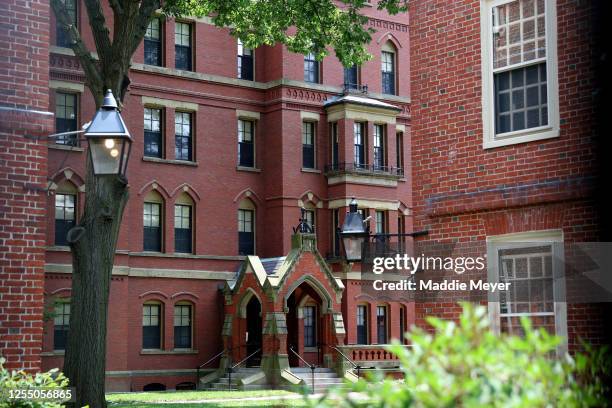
490, 140
525, 240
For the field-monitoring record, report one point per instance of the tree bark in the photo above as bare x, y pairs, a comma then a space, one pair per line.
93, 243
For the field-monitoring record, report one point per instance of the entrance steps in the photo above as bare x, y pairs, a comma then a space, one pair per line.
224, 383
324, 378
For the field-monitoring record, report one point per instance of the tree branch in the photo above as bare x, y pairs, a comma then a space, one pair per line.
88, 62
100, 31
116, 6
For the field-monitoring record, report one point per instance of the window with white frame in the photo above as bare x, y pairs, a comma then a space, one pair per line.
532, 264
520, 101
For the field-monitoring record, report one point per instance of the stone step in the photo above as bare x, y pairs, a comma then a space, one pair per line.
308, 370
317, 375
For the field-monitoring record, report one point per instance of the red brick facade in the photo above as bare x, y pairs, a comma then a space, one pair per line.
24, 73
448, 183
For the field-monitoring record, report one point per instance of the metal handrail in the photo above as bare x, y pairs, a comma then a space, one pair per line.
357, 366
364, 168
210, 360
232, 367
311, 366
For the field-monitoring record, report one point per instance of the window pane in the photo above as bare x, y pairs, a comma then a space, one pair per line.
66, 117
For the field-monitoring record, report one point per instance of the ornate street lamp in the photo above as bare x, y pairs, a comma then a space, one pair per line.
353, 234
109, 140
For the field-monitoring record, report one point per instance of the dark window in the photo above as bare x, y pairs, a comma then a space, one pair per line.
182, 326
182, 46
309, 217
388, 72
362, 324
183, 232
379, 147
152, 227
62, 37
402, 322
246, 232
399, 152
381, 224
61, 324
65, 216
351, 80
311, 69
182, 134
184, 386
153, 141
310, 327
334, 144
401, 229
154, 387
246, 143
151, 326
153, 43
335, 236
308, 145
358, 129
521, 99
381, 324
245, 62
66, 115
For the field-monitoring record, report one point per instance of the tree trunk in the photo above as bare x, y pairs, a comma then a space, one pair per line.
93, 242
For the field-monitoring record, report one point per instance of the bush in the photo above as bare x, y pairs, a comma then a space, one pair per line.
466, 364
50, 380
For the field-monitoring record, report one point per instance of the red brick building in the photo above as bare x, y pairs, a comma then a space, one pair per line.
230, 143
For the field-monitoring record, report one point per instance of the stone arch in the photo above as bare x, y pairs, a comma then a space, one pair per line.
186, 188
154, 185
249, 194
69, 175
153, 295
244, 301
389, 37
326, 298
310, 198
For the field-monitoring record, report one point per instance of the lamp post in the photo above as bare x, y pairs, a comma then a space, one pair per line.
353, 234
109, 140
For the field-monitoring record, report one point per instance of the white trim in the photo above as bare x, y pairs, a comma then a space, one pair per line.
490, 140
149, 101
307, 116
247, 115
66, 86
525, 240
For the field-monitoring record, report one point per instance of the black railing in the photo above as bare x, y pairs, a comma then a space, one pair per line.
231, 368
351, 362
311, 366
207, 362
348, 87
360, 168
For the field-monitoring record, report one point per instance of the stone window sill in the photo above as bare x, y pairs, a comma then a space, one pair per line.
168, 161
56, 146
168, 352
248, 169
53, 353
310, 349
307, 170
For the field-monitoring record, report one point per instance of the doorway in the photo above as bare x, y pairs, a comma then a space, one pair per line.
253, 332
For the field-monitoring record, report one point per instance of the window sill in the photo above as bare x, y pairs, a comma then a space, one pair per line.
544, 134
58, 248
168, 352
307, 170
310, 349
53, 353
65, 147
168, 161
248, 169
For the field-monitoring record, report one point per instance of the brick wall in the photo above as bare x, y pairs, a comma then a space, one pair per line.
24, 75
463, 192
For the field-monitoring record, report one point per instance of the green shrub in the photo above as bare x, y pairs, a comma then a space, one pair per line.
466, 364
50, 380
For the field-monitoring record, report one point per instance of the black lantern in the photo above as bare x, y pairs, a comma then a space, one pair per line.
109, 140
353, 234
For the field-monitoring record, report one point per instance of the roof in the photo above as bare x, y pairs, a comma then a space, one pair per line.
272, 265
359, 100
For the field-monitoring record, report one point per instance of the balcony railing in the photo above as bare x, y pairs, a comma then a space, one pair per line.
370, 353
348, 88
358, 168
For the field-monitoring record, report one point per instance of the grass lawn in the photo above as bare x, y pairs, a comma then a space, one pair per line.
175, 399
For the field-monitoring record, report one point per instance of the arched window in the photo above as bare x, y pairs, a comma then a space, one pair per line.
183, 327
246, 227
388, 59
61, 323
65, 211
152, 318
362, 324
152, 222
183, 224
310, 215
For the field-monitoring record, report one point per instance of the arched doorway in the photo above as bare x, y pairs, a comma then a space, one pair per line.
305, 325
253, 332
